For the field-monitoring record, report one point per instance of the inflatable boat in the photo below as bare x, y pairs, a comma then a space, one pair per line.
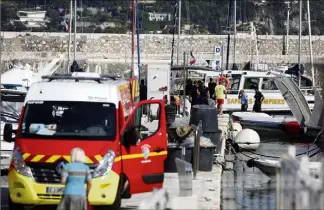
262, 122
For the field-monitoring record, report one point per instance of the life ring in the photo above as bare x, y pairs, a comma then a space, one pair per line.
228, 83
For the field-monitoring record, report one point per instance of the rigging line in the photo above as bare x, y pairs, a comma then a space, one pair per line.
270, 156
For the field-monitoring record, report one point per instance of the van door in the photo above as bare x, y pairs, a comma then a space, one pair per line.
144, 146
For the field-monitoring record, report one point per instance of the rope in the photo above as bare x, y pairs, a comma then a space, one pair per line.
270, 156
238, 150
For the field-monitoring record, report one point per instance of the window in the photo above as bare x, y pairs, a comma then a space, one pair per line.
235, 81
251, 83
69, 120
268, 84
146, 120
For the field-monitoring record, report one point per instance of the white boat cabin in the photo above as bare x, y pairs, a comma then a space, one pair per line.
249, 80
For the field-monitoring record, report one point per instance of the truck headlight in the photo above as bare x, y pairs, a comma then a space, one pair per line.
105, 165
19, 163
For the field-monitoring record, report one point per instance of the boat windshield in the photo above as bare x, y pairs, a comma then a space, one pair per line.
69, 120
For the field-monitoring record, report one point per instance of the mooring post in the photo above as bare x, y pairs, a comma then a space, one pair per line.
196, 149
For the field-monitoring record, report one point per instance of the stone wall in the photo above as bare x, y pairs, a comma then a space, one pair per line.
153, 47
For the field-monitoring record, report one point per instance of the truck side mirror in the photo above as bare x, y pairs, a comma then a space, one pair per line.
7, 133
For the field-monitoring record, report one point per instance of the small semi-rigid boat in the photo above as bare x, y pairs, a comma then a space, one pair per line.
270, 167
264, 124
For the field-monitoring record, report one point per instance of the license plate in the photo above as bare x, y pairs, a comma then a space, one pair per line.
54, 190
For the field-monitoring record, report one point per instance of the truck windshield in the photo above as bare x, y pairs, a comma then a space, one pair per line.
69, 120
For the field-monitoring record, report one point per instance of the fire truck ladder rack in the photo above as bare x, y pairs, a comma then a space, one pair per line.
104, 77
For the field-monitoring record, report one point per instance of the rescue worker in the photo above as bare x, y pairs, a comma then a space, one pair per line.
258, 98
74, 176
203, 91
188, 87
221, 95
201, 99
244, 100
143, 90
74, 67
211, 88
165, 99
193, 95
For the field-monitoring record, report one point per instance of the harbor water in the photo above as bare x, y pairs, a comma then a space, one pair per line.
255, 190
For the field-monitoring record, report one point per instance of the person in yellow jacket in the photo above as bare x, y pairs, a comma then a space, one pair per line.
221, 95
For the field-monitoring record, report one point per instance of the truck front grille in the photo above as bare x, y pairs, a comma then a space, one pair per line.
46, 173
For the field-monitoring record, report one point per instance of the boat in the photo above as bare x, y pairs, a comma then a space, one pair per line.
310, 121
249, 81
20, 77
14, 86
270, 167
266, 124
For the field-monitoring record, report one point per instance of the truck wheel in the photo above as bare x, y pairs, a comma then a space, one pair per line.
14, 206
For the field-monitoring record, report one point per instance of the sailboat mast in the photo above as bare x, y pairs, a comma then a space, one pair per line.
310, 42
234, 47
228, 34
300, 32
133, 36
287, 27
179, 31
75, 27
70, 28
138, 43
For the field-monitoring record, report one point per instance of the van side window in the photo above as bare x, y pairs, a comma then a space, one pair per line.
268, 84
251, 83
146, 120
235, 81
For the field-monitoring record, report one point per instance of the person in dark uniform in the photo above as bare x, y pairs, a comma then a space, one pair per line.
143, 91
211, 88
193, 95
200, 98
258, 98
188, 87
75, 67
203, 90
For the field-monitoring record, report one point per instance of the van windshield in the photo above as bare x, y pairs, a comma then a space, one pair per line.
69, 120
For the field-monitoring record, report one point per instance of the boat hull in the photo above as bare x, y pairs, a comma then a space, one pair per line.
270, 167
